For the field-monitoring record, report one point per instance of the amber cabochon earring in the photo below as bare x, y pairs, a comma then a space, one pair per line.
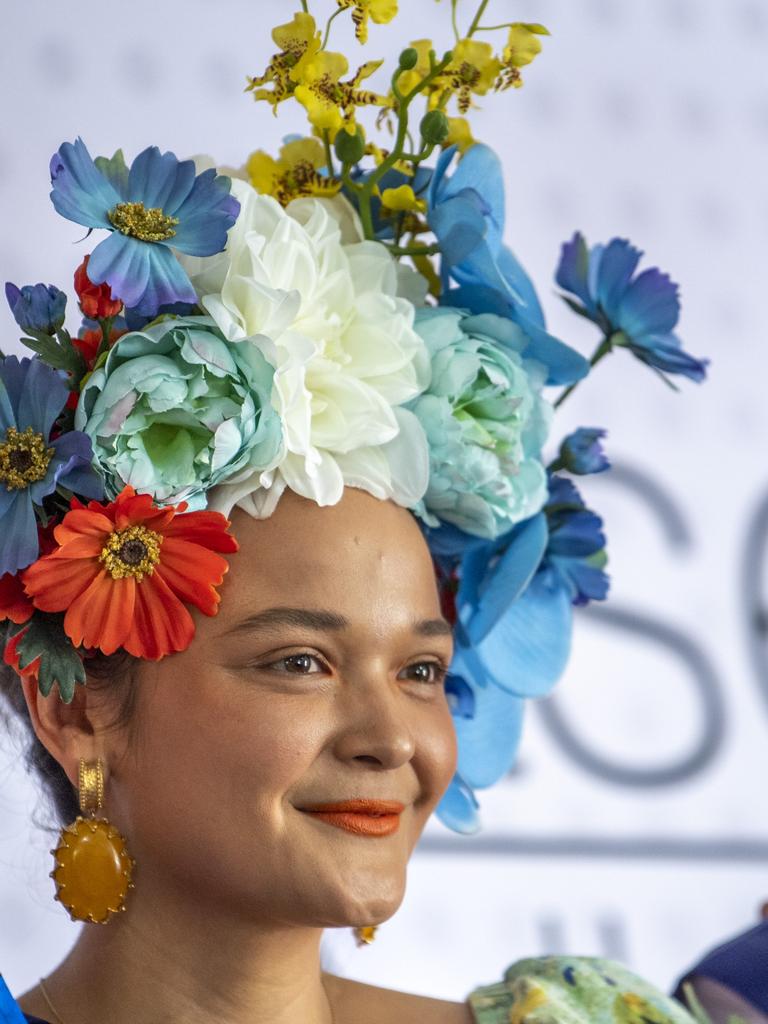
93, 868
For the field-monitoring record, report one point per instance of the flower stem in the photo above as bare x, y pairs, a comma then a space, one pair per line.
454, 21
328, 152
413, 250
404, 100
602, 350
305, 6
476, 20
335, 14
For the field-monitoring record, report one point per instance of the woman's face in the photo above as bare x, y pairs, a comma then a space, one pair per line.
319, 681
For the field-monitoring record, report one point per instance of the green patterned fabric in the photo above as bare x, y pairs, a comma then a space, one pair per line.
574, 990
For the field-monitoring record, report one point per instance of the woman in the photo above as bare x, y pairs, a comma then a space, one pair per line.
286, 493
320, 681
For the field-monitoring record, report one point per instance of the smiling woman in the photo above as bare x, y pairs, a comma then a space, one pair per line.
283, 554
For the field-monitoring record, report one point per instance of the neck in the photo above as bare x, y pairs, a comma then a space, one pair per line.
193, 967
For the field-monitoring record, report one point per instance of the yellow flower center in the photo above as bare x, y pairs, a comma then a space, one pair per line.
24, 458
150, 225
134, 551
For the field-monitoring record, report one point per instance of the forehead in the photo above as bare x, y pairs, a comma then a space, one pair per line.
361, 557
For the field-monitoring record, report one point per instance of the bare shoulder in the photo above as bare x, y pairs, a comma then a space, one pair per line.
355, 1002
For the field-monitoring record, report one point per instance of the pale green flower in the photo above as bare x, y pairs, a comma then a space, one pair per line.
176, 410
485, 422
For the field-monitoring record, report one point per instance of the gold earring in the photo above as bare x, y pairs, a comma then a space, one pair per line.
93, 867
366, 934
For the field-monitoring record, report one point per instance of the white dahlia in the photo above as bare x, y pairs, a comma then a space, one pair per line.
322, 305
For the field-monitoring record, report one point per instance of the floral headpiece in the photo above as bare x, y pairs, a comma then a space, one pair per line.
345, 313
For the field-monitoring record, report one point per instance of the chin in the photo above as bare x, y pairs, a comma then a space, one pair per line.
364, 898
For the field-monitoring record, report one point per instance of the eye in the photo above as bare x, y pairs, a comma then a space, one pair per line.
426, 672
298, 664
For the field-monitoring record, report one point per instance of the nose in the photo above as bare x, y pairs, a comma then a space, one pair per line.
375, 727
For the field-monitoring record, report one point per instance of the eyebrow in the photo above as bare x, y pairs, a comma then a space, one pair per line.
321, 619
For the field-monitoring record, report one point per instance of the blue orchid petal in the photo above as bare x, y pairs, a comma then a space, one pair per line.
489, 741
43, 396
485, 596
124, 264
461, 696
458, 808
480, 171
459, 226
527, 650
168, 282
650, 305
572, 272
80, 191
516, 277
565, 364
436, 186
618, 263
19, 545
580, 535
448, 541
160, 180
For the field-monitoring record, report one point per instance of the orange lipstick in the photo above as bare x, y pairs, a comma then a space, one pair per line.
363, 817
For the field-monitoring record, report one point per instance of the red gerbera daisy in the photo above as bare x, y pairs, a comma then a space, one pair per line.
124, 572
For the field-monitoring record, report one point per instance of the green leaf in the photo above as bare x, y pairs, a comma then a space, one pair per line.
115, 170
60, 663
59, 352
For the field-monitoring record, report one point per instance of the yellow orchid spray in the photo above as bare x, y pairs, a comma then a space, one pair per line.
382, 179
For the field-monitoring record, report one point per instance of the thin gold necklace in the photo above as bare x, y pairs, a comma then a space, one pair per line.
60, 1019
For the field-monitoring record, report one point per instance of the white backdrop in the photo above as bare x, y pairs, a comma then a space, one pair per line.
635, 823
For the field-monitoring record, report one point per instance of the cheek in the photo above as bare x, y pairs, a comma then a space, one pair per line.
437, 754
214, 750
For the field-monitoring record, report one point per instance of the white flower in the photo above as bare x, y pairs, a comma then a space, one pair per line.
322, 305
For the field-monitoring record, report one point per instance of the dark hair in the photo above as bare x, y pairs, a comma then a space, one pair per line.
113, 672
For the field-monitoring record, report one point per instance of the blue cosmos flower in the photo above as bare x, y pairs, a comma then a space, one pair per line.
37, 308
581, 452
480, 273
157, 205
639, 313
31, 464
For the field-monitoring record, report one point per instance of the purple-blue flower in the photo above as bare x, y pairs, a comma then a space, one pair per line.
32, 465
37, 308
157, 205
637, 312
581, 452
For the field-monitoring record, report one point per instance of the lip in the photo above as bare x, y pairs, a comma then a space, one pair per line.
363, 817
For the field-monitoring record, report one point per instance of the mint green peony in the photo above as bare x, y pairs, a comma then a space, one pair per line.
485, 422
176, 409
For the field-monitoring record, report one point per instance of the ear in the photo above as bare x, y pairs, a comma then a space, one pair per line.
65, 730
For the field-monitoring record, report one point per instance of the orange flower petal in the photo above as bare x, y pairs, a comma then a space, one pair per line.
161, 624
192, 572
206, 528
54, 583
11, 657
101, 615
82, 523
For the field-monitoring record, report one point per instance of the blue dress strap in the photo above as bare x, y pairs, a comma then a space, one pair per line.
10, 1012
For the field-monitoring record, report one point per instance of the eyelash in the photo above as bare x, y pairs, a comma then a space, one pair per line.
440, 670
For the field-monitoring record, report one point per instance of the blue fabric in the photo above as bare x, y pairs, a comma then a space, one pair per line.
9, 1008
740, 965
